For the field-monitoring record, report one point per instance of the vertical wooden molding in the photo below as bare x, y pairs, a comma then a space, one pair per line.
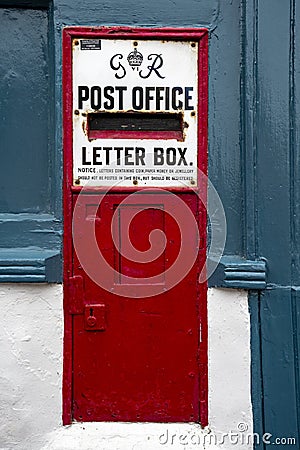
248, 95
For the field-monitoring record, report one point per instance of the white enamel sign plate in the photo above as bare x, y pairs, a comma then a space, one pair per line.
144, 76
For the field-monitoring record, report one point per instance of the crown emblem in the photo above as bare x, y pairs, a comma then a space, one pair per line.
135, 59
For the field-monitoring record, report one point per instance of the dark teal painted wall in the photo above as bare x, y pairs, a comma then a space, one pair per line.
30, 182
254, 71
270, 148
24, 67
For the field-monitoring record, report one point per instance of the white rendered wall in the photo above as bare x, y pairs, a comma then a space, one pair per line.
31, 372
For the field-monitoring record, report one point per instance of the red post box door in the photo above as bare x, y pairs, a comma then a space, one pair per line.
135, 145
135, 358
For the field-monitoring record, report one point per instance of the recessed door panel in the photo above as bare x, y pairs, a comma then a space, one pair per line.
144, 365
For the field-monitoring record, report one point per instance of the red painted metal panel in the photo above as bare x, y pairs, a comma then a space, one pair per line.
145, 221
144, 366
148, 361
67, 239
119, 134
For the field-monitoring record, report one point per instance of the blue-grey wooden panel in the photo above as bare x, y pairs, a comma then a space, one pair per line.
39, 230
25, 3
30, 264
150, 13
271, 171
256, 367
24, 108
295, 137
31, 160
295, 297
224, 167
280, 394
273, 127
295, 174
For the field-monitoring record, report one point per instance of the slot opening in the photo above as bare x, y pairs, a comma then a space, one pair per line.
135, 125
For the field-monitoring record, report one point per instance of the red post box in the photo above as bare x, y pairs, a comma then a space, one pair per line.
135, 146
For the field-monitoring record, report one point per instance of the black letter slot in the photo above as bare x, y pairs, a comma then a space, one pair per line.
135, 125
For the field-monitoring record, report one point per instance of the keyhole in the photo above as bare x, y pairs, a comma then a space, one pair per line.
91, 319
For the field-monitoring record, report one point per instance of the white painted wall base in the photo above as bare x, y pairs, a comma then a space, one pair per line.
31, 371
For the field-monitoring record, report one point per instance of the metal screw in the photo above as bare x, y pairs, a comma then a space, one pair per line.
193, 113
76, 112
135, 43
193, 182
76, 42
77, 181
91, 321
193, 44
135, 182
